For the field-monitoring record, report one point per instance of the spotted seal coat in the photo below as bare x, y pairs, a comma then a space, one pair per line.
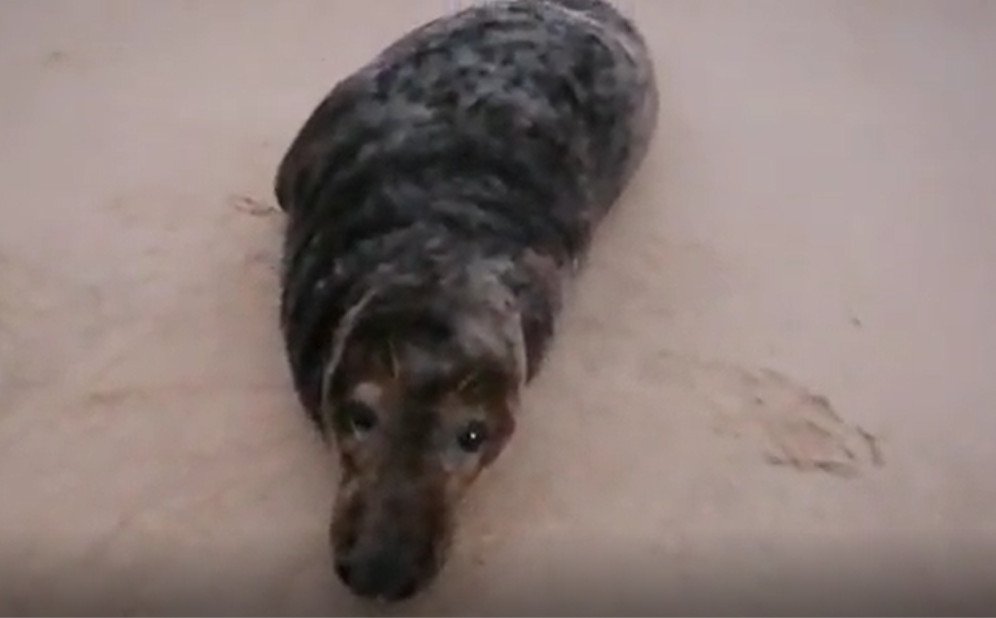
437, 200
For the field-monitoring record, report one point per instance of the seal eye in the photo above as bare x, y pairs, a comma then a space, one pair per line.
357, 417
473, 435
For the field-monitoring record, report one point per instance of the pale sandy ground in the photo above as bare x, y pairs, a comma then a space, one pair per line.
817, 219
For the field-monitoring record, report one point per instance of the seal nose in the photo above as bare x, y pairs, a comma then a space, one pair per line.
385, 574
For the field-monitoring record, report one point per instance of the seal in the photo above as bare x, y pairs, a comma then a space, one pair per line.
437, 201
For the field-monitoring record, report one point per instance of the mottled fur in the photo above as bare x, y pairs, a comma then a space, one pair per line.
436, 199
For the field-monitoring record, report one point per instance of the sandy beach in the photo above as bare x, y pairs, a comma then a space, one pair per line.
772, 390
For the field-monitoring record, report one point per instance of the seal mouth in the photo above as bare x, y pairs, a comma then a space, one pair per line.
386, 574
369, 587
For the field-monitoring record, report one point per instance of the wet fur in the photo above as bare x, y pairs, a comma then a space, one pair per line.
436, 200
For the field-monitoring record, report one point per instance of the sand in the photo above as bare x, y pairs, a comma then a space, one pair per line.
772, 390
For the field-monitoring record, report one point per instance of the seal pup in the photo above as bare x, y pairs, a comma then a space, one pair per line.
437, 200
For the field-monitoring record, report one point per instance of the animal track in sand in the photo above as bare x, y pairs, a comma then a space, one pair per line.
252, 206
795, 427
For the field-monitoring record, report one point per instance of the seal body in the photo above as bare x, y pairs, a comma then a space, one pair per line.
436, 200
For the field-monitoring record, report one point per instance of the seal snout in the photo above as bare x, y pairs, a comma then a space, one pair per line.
388, 572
